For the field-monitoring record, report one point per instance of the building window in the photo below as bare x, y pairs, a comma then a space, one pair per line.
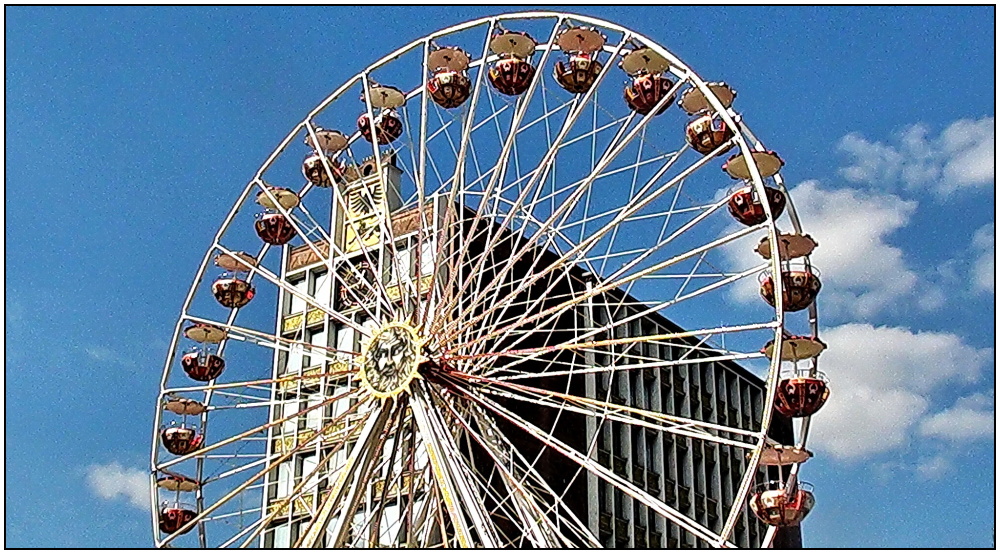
295, 355
279, 537
285, 409
309, 464
427, 257
314, 417
345, 339
402, 266
297, 304
322, 289
317, 339
284, 480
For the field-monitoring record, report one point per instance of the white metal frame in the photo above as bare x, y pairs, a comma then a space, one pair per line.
436, 418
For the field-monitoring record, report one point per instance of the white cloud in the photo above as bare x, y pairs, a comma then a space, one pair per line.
934, 468
862, 273
961, 157
983, 269
881, 378
926, 468
100, 353
970, 151
970, 418
114, 481
873, 162
104, 354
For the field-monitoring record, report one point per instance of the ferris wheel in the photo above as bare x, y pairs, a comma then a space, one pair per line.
502, 301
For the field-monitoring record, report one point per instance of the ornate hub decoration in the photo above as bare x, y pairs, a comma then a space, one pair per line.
389, 361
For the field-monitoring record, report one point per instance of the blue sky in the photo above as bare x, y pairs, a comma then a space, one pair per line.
129, 132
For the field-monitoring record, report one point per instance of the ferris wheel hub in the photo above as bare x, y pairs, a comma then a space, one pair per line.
391, 359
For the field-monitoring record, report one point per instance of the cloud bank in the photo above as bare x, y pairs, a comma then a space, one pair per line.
863, 273
960, 158
882, 379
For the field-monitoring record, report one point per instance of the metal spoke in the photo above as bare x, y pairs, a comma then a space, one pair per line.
537, 246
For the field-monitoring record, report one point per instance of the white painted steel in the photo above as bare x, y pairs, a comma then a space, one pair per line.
460, 325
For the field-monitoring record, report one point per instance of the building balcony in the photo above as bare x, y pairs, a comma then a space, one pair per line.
713, 517
620, 465
678, 399
653, 482
639, 478
710, 454
604, 457
640, 537
706, 401
683, 498
621, 529
604, 523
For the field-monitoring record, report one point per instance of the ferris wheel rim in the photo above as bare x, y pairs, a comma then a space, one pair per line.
723, 113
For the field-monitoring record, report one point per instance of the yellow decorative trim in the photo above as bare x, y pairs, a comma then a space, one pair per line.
315, 316
392, 291
396, 487
307, 379
340, 366
303, 505
293, 322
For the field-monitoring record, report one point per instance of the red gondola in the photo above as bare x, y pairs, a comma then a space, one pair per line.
181, 440
202, 366
745, 205
274, 228
449, 89
646, 91
706, 133
774, 504
232, 292
388, 127
799, 290
174, 516
315, 173
577, 74
511, 75
801, 396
